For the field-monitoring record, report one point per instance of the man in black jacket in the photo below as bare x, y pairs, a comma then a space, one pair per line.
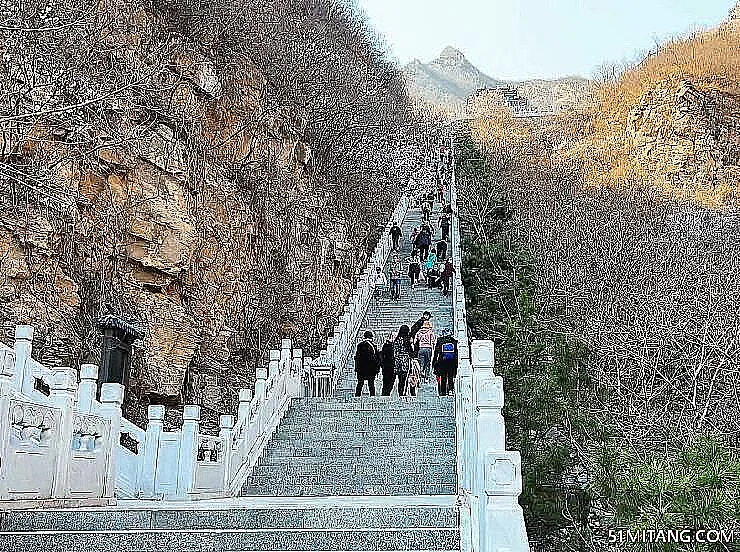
367, 364
441, 250
395, 235
444, 362
419, 323
388, 362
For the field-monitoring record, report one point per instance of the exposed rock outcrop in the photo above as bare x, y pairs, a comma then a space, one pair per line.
688, 134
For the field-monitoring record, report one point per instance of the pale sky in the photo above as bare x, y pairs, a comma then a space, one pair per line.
518, 39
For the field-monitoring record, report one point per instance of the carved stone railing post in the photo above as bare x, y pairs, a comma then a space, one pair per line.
245, 400
260, 393
226, 430
154, 429
503, 516
488, 399
188, 450
260, 384
22, 379
286, 350
7, 369
273, 366
464, 404
296, 374
307, 378
111, 400
62, 387
88, 388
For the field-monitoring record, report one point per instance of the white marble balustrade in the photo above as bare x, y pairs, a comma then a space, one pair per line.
66, 447
489, 476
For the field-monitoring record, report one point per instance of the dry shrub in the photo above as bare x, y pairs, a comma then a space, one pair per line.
710, 61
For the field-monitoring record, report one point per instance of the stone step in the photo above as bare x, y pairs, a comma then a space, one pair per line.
370, 403
360, 488
374, 417
354, 451
349, 478
314, 461
441, 470
227, 517
371, 416
243, 540
352, 439
284, 434
404, 431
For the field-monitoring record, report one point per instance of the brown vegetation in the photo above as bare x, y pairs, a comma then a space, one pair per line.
673, 120
624, 218
216, 171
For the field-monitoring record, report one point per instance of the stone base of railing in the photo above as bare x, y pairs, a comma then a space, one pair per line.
56, 503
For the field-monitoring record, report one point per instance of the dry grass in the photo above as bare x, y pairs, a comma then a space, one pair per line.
709, 59
711, 62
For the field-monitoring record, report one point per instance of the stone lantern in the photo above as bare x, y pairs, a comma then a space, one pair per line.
115, 358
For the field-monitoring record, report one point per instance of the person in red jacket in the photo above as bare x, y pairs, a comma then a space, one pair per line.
446, 276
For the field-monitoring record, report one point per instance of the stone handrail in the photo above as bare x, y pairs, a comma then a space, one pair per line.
57, 448
76, 439
489, 476
325, 370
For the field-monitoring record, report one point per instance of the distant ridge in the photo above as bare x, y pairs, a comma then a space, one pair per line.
450, 79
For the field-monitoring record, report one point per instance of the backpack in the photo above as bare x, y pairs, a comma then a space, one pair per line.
449, 353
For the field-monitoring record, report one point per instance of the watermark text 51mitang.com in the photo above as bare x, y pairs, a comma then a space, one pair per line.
685, 536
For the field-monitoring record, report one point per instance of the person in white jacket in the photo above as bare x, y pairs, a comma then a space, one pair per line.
380, 282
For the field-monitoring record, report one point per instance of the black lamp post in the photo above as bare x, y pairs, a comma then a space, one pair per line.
115, 360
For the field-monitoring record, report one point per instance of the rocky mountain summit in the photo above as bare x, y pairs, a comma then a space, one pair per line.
451, 79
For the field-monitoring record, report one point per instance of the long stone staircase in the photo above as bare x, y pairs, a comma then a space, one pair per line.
340, 473
395, 451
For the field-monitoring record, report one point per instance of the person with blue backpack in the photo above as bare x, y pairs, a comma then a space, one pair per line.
444, 362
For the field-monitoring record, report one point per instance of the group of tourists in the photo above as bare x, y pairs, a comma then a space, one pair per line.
410, 357
407, 359
429, 256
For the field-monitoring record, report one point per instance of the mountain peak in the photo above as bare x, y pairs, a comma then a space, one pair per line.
451, 55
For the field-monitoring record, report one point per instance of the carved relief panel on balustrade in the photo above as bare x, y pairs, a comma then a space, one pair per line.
90, 455
210, 465
28, 451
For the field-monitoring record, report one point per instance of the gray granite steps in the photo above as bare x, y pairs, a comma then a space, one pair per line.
235, 517
421, 461
348, 476
359, 454
341, 469
359, 488
362, 447
246, 540
393, 435
365, 440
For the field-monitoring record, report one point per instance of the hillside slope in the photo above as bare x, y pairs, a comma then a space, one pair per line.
201, 170
672, 121
604, 263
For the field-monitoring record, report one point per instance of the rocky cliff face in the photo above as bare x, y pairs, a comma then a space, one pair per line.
688, 135
162, 179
